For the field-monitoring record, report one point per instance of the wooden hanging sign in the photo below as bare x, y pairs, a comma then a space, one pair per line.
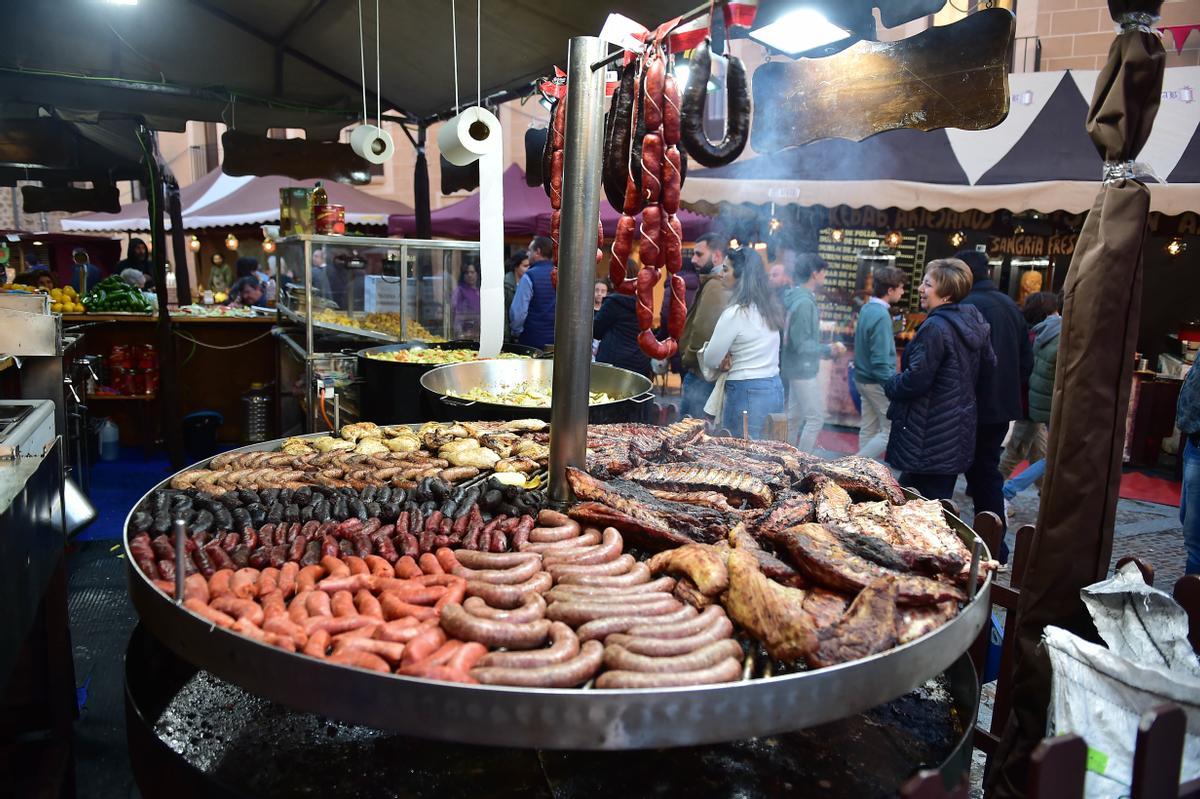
955, 76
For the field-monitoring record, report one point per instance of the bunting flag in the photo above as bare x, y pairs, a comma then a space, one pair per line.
689, 35
1179, 34
740, 13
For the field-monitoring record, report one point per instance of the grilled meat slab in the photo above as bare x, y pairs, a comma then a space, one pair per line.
825, 607
911, 532
768, 563
654, 523
915, 622
868, 627
681, 477
611, 459
703, 564
863, 478
773, 614
822, 554
832, 501
789, 509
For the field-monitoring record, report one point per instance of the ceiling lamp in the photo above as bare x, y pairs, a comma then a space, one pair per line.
231, 242
1176, 247
836, 235
268, 246
799, 31
194, 244
893, 239
957, 238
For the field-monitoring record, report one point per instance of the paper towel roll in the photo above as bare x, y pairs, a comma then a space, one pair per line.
475, 135
372, 143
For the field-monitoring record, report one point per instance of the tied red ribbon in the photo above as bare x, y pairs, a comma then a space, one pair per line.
1179, 34
555, 87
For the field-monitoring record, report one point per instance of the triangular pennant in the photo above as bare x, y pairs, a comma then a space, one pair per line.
980, 150
1180, 33
740, 13
688, 35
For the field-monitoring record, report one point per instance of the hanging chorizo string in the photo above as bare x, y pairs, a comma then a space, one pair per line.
656, 198
555, 89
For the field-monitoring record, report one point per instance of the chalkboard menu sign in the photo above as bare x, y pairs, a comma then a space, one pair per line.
850, 260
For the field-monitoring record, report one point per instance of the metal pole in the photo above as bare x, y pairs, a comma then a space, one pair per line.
576, 263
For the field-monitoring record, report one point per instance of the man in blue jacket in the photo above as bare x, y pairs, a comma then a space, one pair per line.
875, 359
999, 396
531, 316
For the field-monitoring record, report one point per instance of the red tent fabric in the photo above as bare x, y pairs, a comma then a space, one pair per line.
526, 213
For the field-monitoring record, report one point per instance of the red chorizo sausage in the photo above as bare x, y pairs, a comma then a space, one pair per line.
652, 168
670, 110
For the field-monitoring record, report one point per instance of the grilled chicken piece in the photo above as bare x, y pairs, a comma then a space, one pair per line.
863, 478
709, 499
516, 464
868, 627
910, 532
655, 524
680, 477
773, 614
915, 622
832, 501
822, 554
703, 564
687, 592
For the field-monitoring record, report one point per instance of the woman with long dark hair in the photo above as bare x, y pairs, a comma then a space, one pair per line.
465, 302
745, 342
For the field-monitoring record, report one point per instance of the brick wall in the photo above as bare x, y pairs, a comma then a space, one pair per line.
1076, 34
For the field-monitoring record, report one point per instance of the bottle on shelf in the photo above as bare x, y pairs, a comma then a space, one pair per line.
319, 196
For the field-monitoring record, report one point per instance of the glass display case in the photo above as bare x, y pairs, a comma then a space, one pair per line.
345, 293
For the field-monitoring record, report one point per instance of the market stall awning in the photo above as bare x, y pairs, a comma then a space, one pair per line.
1040, 158
220, 200
526, 213
280, 63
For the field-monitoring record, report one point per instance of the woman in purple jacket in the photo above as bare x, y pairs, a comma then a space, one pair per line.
465, 303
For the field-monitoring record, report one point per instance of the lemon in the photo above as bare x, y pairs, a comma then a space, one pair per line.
56, 307
56, 294
70, 291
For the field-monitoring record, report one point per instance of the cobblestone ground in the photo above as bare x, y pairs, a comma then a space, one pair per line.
1143, 530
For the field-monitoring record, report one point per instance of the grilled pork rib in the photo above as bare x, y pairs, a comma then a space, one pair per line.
655, 523
796, 462
912, 534
680, 477
772, 613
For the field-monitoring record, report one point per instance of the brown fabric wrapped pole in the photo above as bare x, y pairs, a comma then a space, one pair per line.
1102, 299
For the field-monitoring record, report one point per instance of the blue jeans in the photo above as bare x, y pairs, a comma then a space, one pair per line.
696, 391
1033, 472
758, 397
1189, 506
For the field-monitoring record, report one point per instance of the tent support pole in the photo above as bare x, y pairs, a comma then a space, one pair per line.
179, 251
168, 379
421, 187
582, 153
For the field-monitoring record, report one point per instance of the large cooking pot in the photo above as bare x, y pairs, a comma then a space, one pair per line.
388, 392
630, 391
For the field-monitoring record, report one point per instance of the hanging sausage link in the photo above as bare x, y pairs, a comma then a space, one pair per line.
555, 143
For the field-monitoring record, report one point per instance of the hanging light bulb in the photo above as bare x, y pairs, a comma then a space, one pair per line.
268, 246
1176, 247
957, 238
194, 244
892, 239
836, 235
231, 242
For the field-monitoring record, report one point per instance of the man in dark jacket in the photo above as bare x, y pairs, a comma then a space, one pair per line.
933, 398
710, 301
1187, 418
802, 351
999, 390
616, 328
691, 284
531, 316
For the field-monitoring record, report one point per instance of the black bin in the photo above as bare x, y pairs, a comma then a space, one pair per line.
200, 434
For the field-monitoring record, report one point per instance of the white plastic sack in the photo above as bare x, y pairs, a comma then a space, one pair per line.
1101, 693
